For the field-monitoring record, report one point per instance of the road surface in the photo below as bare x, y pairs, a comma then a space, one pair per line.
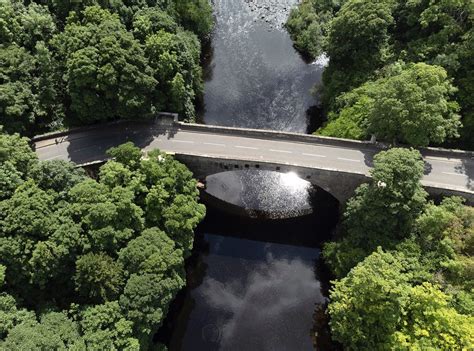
82, 147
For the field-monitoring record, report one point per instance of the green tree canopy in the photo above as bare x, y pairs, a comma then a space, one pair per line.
411, 105
96, 48
98, 277
91, 248
376, 307
383, 212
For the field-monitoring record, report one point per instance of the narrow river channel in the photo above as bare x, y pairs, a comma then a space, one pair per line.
254, 279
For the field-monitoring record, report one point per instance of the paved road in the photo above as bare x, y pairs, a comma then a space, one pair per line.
451, 173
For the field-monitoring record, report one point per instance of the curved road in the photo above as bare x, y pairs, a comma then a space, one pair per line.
455, 173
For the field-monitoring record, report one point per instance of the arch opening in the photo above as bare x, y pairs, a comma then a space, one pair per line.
265, 194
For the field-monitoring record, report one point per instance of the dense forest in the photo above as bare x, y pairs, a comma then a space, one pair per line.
400, 70
66, 63
91, 263
94, 262
404, 266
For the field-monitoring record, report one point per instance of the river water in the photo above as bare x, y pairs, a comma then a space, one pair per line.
253, 282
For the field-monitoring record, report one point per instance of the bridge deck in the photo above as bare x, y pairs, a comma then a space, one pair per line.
82, 147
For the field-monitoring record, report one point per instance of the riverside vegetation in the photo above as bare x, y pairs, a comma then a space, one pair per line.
403, 265
400, 70
64, 63
94, 263
91, 263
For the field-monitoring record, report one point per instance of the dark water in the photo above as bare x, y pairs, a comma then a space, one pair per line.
266, 193
255, 78
254, 283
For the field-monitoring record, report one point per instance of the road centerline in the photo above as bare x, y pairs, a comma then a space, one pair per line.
183, 141
282, 151
455, 174
312, 155
214, 144
246, 147
347, 159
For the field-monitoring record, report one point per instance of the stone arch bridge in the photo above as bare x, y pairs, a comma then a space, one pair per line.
338, 166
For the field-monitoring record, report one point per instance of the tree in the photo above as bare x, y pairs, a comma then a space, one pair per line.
308, 25
382, 213
365, 306
17, 99
11, 315
10, 179
353, 119
108, 76
357, 44
56, 224
141, 254
146, 298
29, 212
16, 150
109, 216
25, 25
414, 107
430, 323
180, 219
98, 277
151, 20
411, 105
195, 16
376, 307
54, 332
156, 271
57, 175
29, 79
105, 328
127, 154
175, 60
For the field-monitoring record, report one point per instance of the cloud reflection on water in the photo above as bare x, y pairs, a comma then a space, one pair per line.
269, 310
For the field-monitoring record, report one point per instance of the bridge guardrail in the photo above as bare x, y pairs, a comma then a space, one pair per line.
275, 134
170, 119
290, 136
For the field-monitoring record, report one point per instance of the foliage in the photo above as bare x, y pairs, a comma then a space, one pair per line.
381, 213
404, 266
97, 250
57, 175
174, 58
375, 307
98, 277
86, 60
410, 105
308, 26
105, 328
363, 37
357, 44
97, 48
55, 331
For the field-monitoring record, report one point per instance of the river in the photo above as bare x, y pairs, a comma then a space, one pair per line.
254, 279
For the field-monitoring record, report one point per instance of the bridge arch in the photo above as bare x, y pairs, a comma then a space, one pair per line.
339, 184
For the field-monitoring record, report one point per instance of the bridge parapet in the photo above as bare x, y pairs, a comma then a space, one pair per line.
318, 139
